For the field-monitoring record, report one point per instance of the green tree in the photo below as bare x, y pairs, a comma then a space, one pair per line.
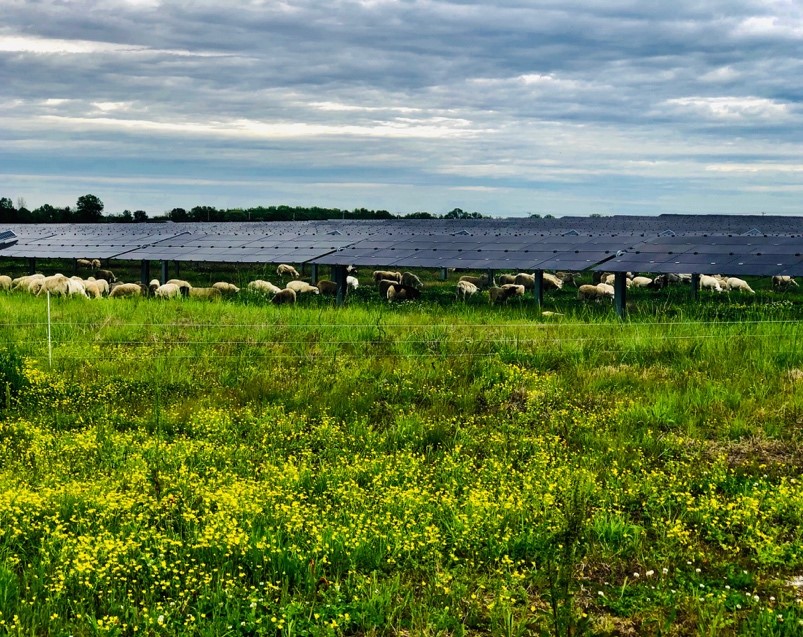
89, 209
7, 211
140, 216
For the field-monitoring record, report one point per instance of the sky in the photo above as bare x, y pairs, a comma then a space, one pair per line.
507, 108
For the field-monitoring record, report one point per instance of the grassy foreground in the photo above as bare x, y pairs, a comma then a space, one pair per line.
242, 469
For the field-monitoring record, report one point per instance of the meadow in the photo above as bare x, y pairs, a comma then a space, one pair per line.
426, 468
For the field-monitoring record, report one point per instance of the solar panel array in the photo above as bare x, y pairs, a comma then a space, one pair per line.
667, 243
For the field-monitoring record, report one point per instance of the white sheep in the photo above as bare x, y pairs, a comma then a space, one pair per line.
352, 282
208, 294
287, 269
183, 286
596, 292
708, 282
739, 285
506, 278
226, 288
385, 275
265, 287
481, 281
504, 292
124, 290
466, 289
641, 281
5, 282
302, 287
56, 284
783, 282
167, 291
23, 283
101, 284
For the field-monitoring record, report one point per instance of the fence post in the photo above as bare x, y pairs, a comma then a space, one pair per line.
49, 341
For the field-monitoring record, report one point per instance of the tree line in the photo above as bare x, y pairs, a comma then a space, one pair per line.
89, 209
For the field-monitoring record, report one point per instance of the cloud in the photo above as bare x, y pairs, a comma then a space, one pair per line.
582, 102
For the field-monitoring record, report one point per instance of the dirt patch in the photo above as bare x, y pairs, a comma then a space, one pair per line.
759, 452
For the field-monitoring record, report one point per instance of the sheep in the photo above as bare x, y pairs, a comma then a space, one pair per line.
550, 281
153, 286
287, 269
93, 290
123, 290
265, 287
708, 282
568, 277
302, 287
506, 278
410, 279
183, 285
352, 282
166, 291
108, 275
85, 263
384, 275
481, 282
101, 284
783, 282
5, 282
400, 292
57, 285
642, 281
327, 287
288, 295
24, 283
740, 285
76, 287
501, 294
209, 294
595, 292
228, 289
466, 289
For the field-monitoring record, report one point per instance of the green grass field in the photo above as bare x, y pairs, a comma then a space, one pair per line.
427, 468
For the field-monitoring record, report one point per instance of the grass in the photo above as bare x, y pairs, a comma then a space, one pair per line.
430, 468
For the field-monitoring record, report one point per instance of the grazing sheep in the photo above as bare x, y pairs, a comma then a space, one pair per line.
167, 291
302, 287
352, 282
5, 282
411, 280
596, 292
153, 286
504, 279
466, 289
57, 285
708, 282
288, 295
501, 294
93, 290
85, 263
123, 290
107, 275
400, 292
550, 281
76, 287
383, 286
642, 282
783, 282
183, 285
384, 275
102, 285
265, 287
228, 289
568, 277
481, 282
739, 285
327, 287
287, 269
23, 283
208, 294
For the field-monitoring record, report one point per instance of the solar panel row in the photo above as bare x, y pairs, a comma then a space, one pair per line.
643, 244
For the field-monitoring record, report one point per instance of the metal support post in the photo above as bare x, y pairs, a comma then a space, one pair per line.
32, 266
444, 274
695, 285
340, 280
620, 293
165, 269
145, 271
314, 274
538, 287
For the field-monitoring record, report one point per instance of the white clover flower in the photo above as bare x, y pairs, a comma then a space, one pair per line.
665, 570
636, 575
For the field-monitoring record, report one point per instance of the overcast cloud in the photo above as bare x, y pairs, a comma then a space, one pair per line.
508, 108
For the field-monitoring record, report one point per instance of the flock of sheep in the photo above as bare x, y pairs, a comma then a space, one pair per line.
393, 286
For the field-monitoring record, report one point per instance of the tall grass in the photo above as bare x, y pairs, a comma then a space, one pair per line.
429, 468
